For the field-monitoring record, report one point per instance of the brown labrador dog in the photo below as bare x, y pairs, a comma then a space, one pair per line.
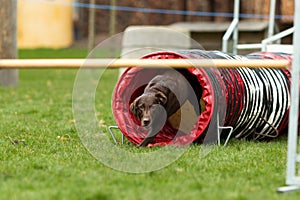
162, 97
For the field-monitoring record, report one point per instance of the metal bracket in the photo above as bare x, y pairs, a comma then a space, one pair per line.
113, 135
270, 125
229, 135
289, 188
222, 128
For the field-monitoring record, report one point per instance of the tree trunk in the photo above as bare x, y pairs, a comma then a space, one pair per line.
8, 40
92, 19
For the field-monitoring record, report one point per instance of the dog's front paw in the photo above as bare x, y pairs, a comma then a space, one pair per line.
146, 141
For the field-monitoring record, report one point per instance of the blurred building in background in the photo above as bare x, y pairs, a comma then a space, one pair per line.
125, 18
56, 24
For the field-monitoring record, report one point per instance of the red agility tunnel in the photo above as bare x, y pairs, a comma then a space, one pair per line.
254, 102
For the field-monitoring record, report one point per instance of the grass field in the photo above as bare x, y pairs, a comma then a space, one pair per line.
42, 156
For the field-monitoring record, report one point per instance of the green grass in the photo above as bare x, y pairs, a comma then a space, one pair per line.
36, 163
53, 53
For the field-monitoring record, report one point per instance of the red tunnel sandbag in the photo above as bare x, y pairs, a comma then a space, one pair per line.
219, 87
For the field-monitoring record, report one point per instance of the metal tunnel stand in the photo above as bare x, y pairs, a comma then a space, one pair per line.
234, 32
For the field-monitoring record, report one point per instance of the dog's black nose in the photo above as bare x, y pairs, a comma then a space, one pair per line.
146, 122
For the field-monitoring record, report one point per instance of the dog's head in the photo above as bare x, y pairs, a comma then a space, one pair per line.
145, 107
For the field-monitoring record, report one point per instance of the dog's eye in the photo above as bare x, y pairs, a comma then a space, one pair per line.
142, 106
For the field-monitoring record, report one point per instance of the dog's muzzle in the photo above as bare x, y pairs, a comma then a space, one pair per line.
146, 121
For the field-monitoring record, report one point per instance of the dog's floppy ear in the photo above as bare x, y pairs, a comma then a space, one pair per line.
133, 107
162, 98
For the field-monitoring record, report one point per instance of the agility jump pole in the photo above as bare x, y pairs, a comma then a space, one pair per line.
145, 63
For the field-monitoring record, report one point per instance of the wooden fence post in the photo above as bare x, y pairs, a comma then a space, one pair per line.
8, 40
